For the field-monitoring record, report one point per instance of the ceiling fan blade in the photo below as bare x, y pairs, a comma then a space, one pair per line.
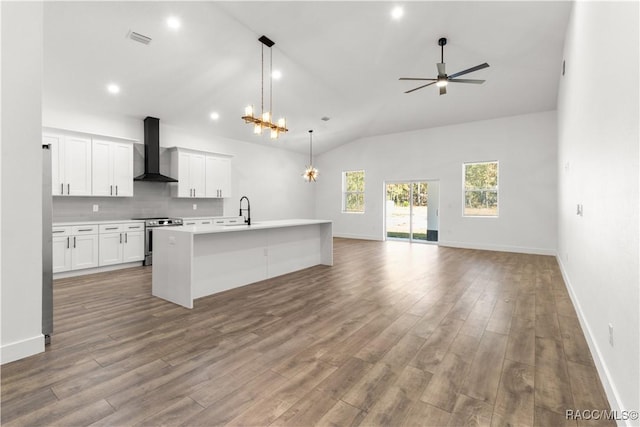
441, 69
416, 78
469, 70
420, 87
478, 82
443, 90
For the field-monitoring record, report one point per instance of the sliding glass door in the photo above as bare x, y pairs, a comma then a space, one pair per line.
408, 215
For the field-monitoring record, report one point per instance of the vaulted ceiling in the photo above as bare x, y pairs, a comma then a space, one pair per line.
340, 60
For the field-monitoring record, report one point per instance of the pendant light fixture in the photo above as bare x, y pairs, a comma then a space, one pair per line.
310, 174
263, 121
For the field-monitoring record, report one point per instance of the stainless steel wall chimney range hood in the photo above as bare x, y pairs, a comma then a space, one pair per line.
152, 153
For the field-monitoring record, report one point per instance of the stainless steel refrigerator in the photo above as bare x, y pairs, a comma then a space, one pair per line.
47, 260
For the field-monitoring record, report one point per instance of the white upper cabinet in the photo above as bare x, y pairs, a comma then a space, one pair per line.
112, 168
70, 164
89, 165
200, 174
218, 174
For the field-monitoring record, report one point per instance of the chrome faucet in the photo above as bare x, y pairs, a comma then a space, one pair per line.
247, 219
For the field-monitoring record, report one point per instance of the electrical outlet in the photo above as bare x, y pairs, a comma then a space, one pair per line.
611, 334
96, 208
195, 206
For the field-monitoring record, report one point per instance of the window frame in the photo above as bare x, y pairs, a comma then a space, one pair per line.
465, 190
345, 193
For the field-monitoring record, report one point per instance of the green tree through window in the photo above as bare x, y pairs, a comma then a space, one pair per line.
481, 189
353, 191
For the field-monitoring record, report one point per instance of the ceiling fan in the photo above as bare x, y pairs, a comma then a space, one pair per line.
443, 79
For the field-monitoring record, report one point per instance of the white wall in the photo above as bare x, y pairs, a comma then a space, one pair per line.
21, 180
598, 120
524, 145
270, 177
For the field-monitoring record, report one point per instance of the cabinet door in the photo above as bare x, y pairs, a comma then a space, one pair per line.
61, 253
218, 174
110, 248
57, 162
212, 176
133, 246
84, 252
77, 166
184, 186
224, 168
122, 169
102, 168
197, 174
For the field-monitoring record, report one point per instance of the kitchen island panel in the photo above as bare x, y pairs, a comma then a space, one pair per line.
196, 261
226, 261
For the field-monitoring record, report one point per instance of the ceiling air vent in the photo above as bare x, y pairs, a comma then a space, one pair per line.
139, 37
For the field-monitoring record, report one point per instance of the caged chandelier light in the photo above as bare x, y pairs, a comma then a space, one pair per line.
310, 173
263, 121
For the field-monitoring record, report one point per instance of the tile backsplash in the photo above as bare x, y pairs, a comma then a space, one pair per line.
151, 199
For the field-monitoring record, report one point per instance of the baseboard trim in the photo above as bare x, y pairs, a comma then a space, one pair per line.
603, 372
356, 236
21, 349
499, 248
75, 273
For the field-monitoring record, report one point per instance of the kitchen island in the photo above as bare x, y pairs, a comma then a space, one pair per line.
194, 261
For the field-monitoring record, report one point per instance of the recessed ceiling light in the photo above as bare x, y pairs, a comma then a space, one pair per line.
276, 74
113, 88
214, 116
397, 12
173, 22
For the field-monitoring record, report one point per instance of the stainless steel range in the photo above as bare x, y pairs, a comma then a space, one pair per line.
149, 225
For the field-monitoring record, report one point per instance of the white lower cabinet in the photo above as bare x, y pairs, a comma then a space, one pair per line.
84, 253
121, 243
133, 249
61, 253
74, 248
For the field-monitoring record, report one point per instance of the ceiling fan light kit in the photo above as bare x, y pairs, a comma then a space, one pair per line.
443, 79
263, 121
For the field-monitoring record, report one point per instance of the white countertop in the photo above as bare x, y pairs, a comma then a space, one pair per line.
111, 221
258, 225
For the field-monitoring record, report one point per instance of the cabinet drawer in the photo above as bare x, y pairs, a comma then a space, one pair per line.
134, 227
111, 228
84, 229
61, 231
233, 221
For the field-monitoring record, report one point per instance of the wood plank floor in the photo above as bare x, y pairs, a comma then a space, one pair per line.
393, 334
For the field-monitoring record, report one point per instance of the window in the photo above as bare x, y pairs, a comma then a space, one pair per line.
481, 189
353, 191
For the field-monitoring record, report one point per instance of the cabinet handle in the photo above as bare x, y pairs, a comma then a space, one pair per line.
68, 188
68, 242
116, 190
126, 238
58, 231
111, 228
61, 188
85, 229
74, 241
111, 190
120, 238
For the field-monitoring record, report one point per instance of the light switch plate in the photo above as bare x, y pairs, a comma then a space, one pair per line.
96, 208
195, 206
